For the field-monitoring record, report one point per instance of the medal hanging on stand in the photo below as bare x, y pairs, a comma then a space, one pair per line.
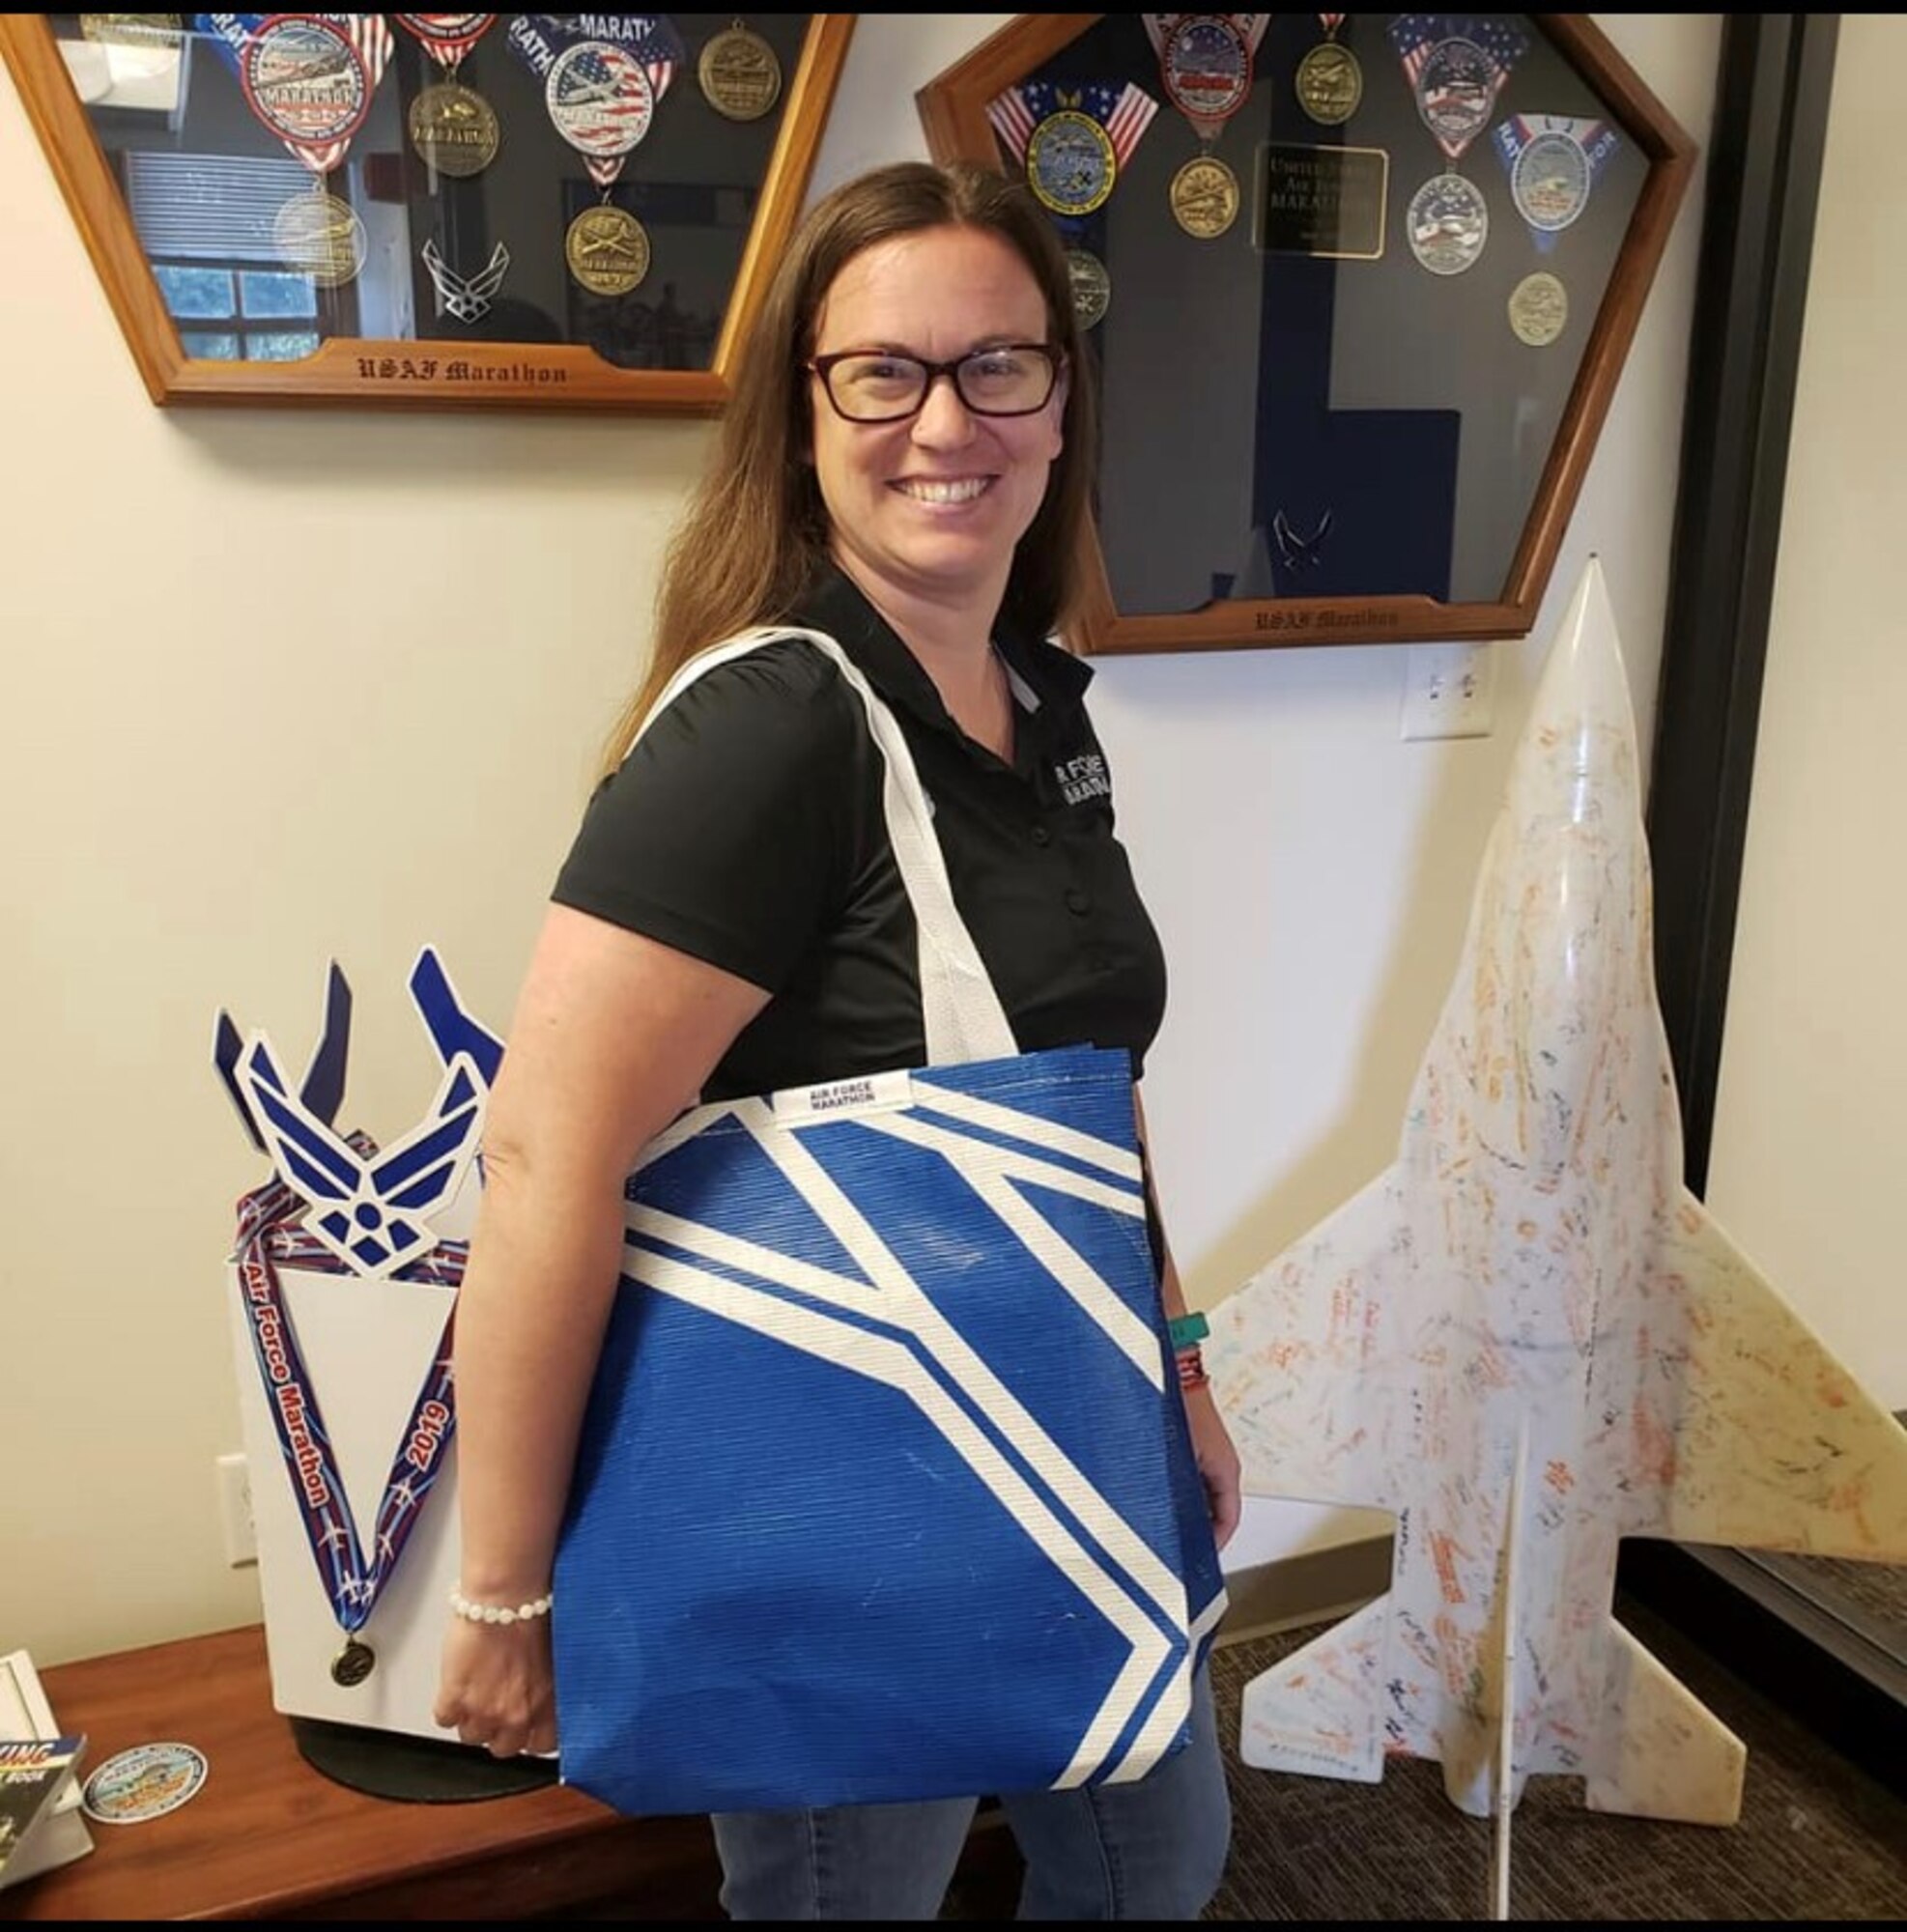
1205, 68
1456, 66
1072, 141
353, 1585
453, 128
601, 95
309, 78
1330, 83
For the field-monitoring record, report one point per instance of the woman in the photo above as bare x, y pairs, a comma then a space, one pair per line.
905, 465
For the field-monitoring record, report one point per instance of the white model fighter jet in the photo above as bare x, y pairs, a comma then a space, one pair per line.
1528, 1341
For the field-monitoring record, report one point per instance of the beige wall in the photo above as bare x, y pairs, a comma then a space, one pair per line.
1810, 1134
287, 687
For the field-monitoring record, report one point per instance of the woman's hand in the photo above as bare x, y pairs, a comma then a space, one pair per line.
497, 1688
1217, 1460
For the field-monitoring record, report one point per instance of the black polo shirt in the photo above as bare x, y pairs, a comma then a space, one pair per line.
745, 829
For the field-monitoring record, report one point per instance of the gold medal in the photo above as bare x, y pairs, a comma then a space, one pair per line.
1092, 287
453, 130
1204, 197
740, 77
1329, 84
608, 251
1538, 309
321, 237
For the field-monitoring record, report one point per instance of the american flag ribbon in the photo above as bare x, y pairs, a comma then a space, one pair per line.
447, 38
1442, 43
1123, 112
268, 1236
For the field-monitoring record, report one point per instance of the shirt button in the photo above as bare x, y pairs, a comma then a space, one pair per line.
1042, 836
1078, 902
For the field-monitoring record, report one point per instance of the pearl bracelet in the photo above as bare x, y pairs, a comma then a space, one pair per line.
499, 1613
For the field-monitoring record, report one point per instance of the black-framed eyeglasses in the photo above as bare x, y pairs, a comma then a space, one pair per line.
876, 385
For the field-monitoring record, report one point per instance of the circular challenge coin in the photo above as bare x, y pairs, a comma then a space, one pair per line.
608, 251
454, 130
740, 77
1204, 197
1538, 309
147, 1781
1092, 287
1550, 183
321, 237
1448, 223
600, 98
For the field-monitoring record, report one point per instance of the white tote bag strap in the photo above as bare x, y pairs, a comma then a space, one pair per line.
963, 1014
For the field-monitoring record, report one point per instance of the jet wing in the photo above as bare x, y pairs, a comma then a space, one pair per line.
1761, 1440
1297, 1357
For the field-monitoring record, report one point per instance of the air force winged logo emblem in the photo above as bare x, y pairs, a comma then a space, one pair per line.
466, 298
370, 1210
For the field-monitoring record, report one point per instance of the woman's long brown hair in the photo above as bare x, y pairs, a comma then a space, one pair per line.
755, 529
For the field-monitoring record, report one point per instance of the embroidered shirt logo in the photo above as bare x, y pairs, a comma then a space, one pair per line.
1083, 777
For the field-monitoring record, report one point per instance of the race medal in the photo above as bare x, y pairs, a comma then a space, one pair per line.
1538, 309
608, 251
1205, 64
453, 130
740, 77
306, 81
1204, 197
1070, 162
1455, 68
1092, 287
1330, 83
352, 1664
600, 99
1448, 224
1552, 161
322, 236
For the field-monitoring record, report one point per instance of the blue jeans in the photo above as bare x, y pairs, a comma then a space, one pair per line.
1150, 1850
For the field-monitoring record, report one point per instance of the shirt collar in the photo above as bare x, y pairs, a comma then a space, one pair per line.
836, 604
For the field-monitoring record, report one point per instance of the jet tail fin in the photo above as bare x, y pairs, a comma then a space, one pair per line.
1661, 1752
1317, 1710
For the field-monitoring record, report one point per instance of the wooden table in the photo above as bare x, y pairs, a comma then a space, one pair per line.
270, 1838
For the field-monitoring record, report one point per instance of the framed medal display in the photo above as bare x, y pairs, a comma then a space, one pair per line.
439, 209
1357, 290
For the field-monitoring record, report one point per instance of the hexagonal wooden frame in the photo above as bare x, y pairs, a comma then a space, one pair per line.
952, 109
517, 375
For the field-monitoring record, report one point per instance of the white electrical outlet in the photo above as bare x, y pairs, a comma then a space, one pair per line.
235, 1510
1449, 691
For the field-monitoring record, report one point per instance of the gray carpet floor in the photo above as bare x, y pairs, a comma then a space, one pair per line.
1818, 1838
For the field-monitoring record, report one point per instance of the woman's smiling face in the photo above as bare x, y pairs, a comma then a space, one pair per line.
933, 506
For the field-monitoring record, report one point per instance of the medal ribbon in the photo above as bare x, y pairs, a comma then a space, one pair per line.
1416, 37
1250, 28
447, 46
1125, 113
267, 1238
1597, 139
370, 40
1331, 22
540, 40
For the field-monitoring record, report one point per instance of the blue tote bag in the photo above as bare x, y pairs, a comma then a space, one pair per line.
884, 1488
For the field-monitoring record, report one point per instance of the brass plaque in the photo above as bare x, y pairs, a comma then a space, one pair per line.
1321, 201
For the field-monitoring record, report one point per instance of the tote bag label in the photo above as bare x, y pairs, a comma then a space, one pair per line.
839, 1099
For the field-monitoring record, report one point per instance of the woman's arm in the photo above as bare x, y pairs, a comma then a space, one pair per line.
1212, 1444
614, 1035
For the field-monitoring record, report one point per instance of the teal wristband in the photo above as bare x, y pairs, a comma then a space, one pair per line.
1187, 1331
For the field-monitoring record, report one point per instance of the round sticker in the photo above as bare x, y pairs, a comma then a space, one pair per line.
147, 1781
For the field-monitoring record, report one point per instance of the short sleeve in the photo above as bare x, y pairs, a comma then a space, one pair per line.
727, 832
